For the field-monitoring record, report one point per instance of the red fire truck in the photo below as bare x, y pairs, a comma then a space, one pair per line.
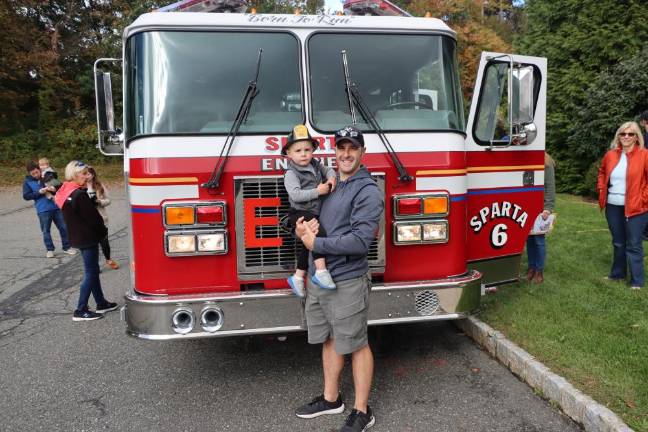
208, 99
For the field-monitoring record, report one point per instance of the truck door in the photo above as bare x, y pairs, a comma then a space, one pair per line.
505, 147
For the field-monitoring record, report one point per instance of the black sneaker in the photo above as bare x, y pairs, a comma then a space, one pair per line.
320, 406
359, 421
85, 315
106, 307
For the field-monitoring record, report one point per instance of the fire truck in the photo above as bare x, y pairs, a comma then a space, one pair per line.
208, 99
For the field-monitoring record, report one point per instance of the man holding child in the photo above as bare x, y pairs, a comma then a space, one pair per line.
337, 318
35, 189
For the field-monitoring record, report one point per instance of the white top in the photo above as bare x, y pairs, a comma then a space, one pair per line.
616, 191
195, 20
102, 200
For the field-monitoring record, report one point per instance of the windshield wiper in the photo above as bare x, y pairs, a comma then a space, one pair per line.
241, 117
356, 101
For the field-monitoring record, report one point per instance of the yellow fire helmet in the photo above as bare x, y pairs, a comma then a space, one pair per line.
299, 133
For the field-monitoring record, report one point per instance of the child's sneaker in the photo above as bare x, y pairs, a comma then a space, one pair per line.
323, 279
297, 286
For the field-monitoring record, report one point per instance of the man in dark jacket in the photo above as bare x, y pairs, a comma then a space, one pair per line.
643, 121
337, 318
47, 211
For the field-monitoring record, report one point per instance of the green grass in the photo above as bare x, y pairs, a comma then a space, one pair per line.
591, 331
13, 175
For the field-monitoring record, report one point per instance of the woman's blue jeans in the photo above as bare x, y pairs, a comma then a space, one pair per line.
90, 282
627, 236
536, 252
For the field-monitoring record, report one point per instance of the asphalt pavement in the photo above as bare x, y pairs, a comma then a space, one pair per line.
56, 374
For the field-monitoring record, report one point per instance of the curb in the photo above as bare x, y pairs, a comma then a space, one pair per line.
581, 408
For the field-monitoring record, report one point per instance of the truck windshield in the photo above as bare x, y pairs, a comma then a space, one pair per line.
193, 82
409, 82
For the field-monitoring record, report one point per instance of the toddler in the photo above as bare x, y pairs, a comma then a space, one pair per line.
305, 181
49, 177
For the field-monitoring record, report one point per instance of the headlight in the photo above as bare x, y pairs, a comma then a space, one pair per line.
181, 244
198, 242
435, 231
419, 232
211, 242
408, 233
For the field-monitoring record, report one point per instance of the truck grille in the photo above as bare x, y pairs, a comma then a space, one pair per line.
276, 262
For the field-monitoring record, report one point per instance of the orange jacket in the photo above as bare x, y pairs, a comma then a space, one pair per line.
636, 195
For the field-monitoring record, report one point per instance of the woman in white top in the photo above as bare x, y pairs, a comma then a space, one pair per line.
99, 194
623, 193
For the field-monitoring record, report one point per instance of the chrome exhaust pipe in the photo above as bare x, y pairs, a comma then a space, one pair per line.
211, 318
183, 320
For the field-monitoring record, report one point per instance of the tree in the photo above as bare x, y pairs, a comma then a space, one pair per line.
581, 39
478, 29
22, 52
311, 7
616, 95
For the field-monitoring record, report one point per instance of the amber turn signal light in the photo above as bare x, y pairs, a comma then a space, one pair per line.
180, 216
435, 205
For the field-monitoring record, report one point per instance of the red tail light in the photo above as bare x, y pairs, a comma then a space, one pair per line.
408, 206
211, 215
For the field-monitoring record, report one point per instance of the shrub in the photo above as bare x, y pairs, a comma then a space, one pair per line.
614, 97
590, 180
70, 140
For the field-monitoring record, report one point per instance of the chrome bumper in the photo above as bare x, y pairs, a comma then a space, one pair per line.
279, 311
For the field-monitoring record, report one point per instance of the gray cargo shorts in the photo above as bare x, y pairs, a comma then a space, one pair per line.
340, 314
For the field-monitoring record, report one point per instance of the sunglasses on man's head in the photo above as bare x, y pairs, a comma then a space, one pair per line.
348, 132
79, 164
627, 134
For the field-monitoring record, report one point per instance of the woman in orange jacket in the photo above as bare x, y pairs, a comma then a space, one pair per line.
623, 193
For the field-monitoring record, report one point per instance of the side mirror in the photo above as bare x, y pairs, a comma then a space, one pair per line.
105, 109
522, 101
525, 134
110, 139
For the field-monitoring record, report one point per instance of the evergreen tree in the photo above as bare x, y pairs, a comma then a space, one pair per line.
581, 39
616, 96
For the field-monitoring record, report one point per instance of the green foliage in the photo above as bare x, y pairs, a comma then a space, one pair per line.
72, 139
582, 40
616, 95
46, 82
591, 178
20, 147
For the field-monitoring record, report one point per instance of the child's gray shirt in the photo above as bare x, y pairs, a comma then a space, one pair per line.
301, 184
